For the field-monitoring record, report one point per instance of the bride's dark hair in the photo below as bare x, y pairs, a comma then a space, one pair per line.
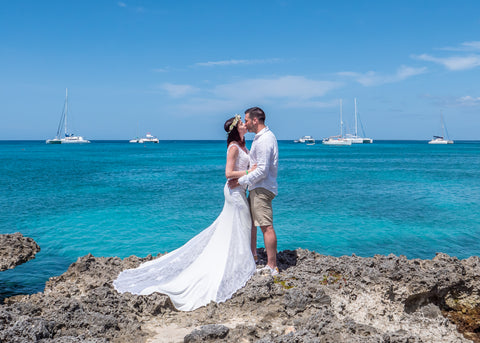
233, 135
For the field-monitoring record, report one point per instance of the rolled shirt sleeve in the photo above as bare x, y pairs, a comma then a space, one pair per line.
264, 153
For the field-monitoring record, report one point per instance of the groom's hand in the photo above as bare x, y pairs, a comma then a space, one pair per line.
233, 183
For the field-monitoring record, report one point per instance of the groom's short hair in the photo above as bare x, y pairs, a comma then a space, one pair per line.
256, 112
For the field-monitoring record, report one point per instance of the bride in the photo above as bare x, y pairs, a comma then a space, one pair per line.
218, 261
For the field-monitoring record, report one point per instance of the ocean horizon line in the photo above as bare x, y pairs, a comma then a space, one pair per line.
222, 140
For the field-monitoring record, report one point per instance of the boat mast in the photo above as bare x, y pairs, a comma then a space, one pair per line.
341, 120
443, 125
356, 131
66, 110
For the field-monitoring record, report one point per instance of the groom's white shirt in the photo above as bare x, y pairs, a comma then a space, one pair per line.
263, 153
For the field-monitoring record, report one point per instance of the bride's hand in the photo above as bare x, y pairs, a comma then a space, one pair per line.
233, 183
252, 168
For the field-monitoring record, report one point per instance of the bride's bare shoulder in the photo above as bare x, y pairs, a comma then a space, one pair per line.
233, 146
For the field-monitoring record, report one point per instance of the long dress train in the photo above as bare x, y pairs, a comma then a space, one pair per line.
211, 266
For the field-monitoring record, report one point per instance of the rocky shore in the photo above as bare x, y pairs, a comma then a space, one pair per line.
15, 250
315, 298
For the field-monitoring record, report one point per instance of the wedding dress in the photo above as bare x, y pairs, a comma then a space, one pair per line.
211, 266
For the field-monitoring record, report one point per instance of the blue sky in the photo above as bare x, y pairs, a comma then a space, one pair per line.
179, 69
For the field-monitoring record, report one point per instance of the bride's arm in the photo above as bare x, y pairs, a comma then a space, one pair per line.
230, 173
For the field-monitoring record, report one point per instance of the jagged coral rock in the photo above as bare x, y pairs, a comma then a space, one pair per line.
315, 298
16, 249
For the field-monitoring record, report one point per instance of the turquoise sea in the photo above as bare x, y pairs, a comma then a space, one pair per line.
112, 198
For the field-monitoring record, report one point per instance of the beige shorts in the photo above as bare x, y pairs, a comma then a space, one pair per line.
261, 206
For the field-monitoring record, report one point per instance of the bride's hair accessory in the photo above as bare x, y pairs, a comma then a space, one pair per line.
236, 119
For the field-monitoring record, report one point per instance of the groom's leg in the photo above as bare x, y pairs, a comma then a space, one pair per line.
254, 241
262, 215
253, 233
270, 239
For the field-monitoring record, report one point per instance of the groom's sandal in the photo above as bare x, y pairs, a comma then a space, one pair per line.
269, 270
274, 271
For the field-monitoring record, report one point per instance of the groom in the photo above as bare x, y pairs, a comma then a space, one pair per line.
262, 183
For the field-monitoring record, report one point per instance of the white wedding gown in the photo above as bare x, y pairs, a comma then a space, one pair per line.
211, 266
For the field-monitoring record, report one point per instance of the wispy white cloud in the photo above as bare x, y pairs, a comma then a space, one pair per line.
465, 46
138, 9
469, 101
207, 106
453, 62
459, 61
178, 91
472, 45
286, 91
236, 62
161, 70
282, 87
405, 72
215, 105
452, 101
310, 104
372, 78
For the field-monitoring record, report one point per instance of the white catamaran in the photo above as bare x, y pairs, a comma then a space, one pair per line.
338, 140
441, 139
68, 138
354, 138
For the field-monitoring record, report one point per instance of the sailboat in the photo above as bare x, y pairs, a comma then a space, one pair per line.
354, 138
68, 138
441, 139
338, 140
